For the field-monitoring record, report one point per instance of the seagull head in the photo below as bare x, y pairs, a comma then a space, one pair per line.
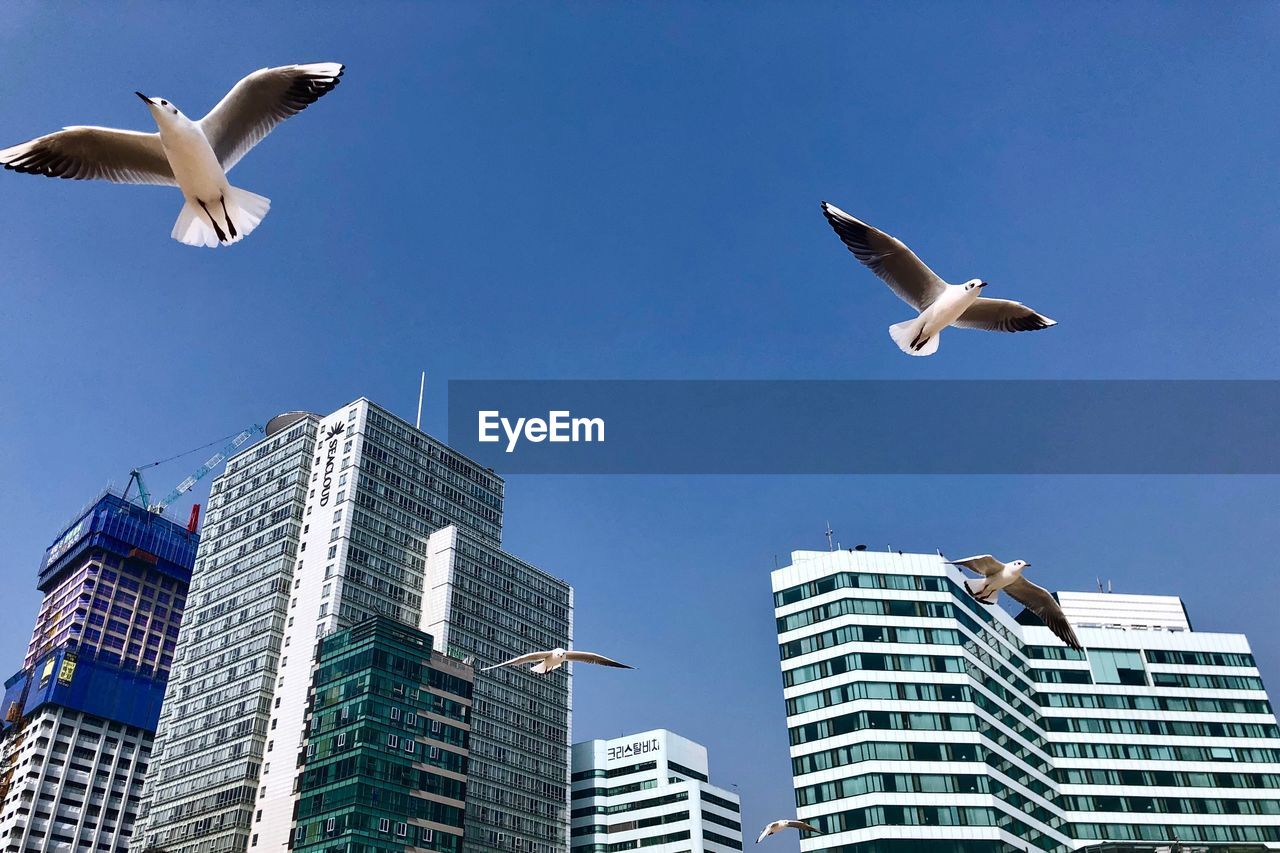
1019, 565
558, 652
160, 108
974, 284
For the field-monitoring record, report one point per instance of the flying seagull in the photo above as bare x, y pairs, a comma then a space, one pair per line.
997, 576
194, 156
940, 304
779, 825
544, 662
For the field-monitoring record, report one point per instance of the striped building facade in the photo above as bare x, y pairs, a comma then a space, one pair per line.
921, 720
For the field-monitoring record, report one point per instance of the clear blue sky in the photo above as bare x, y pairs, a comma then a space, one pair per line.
631, 191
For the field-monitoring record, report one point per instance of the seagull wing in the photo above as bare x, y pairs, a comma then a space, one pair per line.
532, 657
1040, 602
93, 153
985, 565
770, 829
801, 825
1002, 315
592, 657
259, 102
888, 257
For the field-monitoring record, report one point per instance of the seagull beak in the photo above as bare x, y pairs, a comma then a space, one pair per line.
982, 284
145, 99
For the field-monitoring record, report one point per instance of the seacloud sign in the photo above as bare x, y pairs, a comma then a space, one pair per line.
334, 434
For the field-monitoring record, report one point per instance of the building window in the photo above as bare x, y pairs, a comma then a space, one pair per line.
1116, 666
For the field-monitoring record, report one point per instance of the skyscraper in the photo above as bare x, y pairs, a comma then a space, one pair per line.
650, 790
922, 720
322, 525
485, 603
80, 715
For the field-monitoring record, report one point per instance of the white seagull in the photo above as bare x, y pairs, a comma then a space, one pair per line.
544, 662
779, 825
194, 156
940, 304
997, 576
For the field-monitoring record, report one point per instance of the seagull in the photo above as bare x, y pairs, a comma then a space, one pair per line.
779, 825
544, 662
940, 304
194, 156
997, 576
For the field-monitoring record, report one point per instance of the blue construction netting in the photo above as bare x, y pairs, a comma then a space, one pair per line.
115, 525
75, 679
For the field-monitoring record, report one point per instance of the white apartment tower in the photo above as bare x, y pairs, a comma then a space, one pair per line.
323, 524
650, 790
921, 720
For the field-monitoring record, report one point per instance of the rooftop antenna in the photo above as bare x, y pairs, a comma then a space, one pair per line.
422, 387
829, 533
1109, 585
1099, 585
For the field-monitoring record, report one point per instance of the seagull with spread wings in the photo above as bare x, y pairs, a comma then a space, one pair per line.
194, 156
1000, 577
939, 304
779, 825
544, 662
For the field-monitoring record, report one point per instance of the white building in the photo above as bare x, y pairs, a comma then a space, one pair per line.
921, 720
78, 779
649, 790
324, 523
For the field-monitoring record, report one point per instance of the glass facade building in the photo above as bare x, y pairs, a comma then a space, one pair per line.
321, 526
80, 716
650, 790
921, 720
385, 764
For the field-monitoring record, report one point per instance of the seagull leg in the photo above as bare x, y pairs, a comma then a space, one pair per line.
231, 226
217, 229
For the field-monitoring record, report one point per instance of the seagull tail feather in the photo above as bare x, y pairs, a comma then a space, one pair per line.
224, 221
975, 586
905, 335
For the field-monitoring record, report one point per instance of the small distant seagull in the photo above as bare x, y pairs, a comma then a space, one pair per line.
194, 156
940, 304
544, 662
997, 576
779, 825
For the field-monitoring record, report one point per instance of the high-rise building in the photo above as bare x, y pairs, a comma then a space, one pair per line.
385, 764
211, 742
80, 716
650, 790
484, 603
922, 720
322, 525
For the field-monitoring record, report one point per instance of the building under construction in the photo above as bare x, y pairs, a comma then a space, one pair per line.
80, 715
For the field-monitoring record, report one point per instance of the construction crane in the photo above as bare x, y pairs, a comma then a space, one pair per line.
144, 496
